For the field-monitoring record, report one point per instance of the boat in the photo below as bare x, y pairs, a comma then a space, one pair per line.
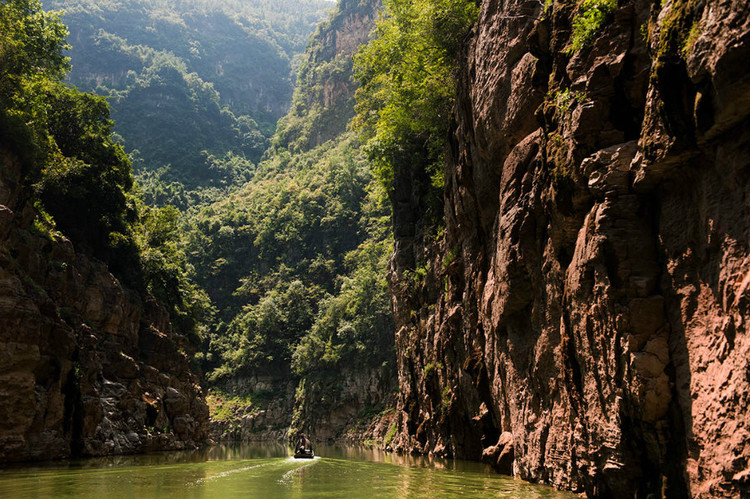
304, 454
303, 450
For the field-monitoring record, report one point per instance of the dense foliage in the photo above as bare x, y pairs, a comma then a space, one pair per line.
295, 259
295, 254
408, 76
190, 82
80, 178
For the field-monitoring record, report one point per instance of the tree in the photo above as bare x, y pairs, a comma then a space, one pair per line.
407, 75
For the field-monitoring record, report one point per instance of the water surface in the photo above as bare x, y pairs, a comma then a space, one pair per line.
264, 471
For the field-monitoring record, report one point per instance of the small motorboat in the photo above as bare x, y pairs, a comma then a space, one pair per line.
303, 450
304, 454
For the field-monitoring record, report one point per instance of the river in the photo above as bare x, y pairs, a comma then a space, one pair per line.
264, 471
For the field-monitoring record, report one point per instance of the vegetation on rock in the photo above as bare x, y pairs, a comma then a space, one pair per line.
302, 247
408, 84
591, 18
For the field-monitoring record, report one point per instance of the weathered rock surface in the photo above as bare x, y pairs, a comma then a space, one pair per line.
323, 102
583, 322
346, 407
267, 420
87, 367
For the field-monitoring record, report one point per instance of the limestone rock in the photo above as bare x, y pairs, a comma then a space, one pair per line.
78, 356
598, 307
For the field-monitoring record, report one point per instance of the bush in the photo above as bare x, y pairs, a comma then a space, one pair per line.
407, 75
593, 15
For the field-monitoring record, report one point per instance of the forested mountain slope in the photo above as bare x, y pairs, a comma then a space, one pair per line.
196, 86
297, 256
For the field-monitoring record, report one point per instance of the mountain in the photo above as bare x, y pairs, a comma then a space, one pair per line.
579, 312
297, 258
193, 84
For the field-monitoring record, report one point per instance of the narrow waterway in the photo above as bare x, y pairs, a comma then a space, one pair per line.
264, 471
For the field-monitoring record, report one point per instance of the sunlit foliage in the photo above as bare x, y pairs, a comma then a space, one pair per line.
277, 254
408, 84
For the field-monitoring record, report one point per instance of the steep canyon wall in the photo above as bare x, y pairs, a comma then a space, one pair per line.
87, 367
583, 319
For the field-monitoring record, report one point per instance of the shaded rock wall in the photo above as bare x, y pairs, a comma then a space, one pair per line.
343, 407
583, 321
269, 416
349, 408
87, 367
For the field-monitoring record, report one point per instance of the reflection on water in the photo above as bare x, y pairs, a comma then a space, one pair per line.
264, 471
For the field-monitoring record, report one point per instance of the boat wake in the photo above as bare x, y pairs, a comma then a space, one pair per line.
286, 478
225, 474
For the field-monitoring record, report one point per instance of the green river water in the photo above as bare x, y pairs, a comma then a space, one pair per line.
264, 471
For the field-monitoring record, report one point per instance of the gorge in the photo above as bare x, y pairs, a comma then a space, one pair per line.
552, 199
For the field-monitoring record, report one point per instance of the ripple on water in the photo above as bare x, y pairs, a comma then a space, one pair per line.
286, 478
244, 474
225, 474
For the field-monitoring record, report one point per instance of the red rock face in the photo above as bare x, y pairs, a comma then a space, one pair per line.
583, 321
87, 367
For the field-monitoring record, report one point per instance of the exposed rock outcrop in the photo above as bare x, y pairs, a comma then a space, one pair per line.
323, 102
583, 321
268, 416
345, 407
87, 367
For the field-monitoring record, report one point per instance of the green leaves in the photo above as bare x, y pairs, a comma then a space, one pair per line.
31, 46
407, 75
593, 15
86, 179
354, 326
297, 258
31, 42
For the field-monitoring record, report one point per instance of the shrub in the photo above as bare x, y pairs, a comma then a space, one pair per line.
408, 84
592, 17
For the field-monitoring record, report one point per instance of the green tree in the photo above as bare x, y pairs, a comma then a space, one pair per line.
407, 75
85, 183
31, 57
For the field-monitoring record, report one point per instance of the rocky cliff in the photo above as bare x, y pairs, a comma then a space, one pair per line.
348, 407
87, 367
583, 319
323, 102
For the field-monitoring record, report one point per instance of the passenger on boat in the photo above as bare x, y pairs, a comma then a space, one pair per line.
303, 444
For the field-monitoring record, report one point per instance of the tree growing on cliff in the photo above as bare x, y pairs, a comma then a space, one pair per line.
407, 75
31, 46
